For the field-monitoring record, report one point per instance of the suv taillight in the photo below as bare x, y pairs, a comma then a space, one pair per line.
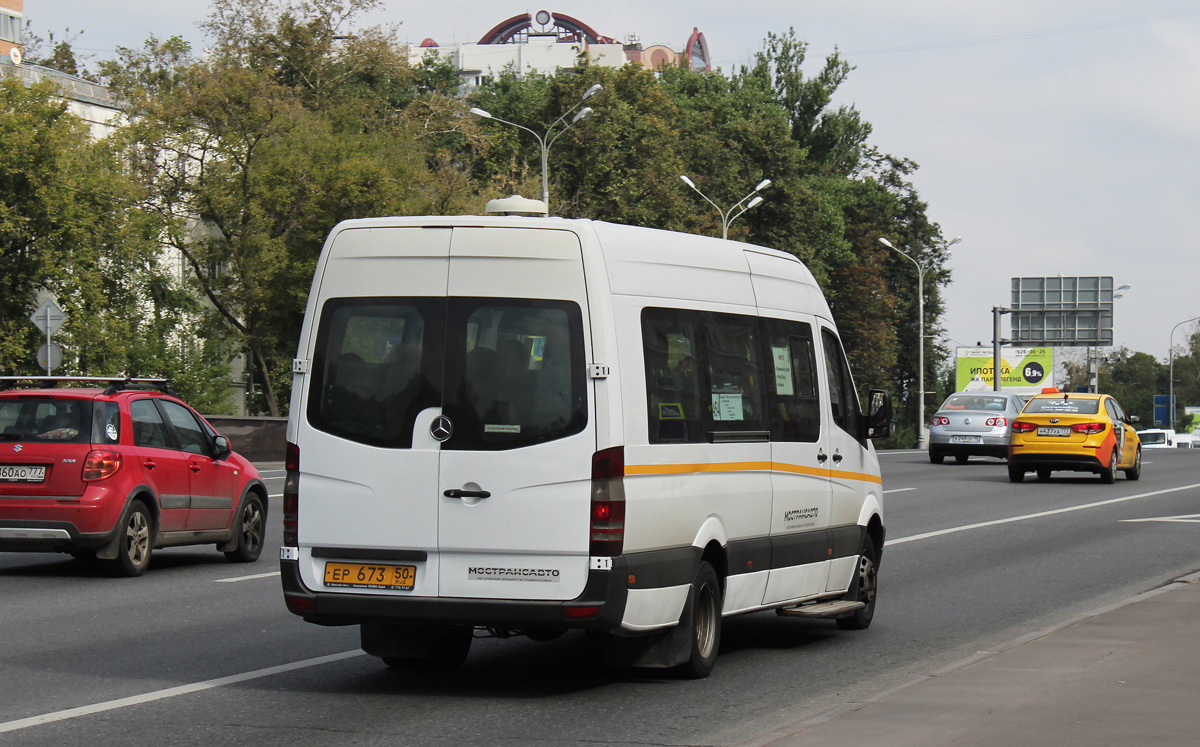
608, 503
101, 464
291, 497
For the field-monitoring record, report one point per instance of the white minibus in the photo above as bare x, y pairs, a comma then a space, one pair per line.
510, 425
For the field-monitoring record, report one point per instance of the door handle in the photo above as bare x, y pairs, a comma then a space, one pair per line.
822, 457
194, 467
149, 464
837, 457
456, 493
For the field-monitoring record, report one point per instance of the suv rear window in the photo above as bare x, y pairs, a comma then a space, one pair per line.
42, 419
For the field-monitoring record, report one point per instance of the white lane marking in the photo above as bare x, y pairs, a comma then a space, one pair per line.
890, 452
898, 490
1069, 509
235, 579
171, 692
1185, 519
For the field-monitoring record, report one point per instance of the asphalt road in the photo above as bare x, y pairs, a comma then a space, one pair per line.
200, 650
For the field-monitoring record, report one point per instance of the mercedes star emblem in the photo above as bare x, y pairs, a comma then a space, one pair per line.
441, 428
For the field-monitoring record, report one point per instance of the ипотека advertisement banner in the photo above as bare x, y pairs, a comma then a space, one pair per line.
1022, 370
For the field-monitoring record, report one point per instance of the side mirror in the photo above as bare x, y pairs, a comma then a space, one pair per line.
1134, 419
878, 423
222, 447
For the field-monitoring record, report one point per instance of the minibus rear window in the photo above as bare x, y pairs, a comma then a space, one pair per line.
376, 366
515, 372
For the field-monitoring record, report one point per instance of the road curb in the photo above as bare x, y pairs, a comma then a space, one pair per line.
795, 728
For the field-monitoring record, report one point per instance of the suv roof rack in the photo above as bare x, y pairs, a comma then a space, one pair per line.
115, 383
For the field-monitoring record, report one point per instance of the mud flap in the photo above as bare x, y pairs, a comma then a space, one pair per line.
659, 650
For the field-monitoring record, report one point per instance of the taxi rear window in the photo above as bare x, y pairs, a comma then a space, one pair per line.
1065, 406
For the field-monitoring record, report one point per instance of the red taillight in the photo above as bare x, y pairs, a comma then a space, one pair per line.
997, 421
291, 496
608, 503
1020, 426
1089, 428
941, 420
300, 605
101, 464
582, 613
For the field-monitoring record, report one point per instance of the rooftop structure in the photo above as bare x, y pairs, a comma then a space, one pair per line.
543, 42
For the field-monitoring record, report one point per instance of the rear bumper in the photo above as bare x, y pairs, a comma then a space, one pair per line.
996, 446
50, 536
605, 591
1071, 462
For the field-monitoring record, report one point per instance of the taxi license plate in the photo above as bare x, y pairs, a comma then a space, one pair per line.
370, 576
966, 439
1054, 431
22, 473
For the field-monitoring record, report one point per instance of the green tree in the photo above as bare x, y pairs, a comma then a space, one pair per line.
1133, 378
293, 123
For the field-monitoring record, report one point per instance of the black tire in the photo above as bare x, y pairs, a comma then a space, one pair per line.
136, 542
1015, 474
935, 456
961, 458
704, 615
250, 529
1043, 474
1135, 472
447, 650
1109, 475
866, 588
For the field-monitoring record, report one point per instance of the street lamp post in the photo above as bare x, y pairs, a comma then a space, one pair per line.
1171, 371
922, 437
545, 141
727, 216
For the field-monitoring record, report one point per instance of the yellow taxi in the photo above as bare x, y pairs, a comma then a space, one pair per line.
1075, 432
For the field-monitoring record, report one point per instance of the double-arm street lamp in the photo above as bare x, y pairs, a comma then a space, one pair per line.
1171, 371
922, 438
545, 141
728, 216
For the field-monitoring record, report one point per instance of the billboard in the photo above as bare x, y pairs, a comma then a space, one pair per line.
1067, 311
1022, 370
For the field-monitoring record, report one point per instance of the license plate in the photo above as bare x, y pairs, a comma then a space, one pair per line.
370, 576
22, 473
1054, 431
966, 439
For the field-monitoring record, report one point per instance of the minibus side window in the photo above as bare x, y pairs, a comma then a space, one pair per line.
843, 400
704, 374
793, 406
377, 364
670, 344
735, 372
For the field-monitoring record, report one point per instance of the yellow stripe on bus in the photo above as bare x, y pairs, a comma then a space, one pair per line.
684, 469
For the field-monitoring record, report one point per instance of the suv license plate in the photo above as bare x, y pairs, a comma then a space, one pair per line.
1054, 431
370, 576
22, 473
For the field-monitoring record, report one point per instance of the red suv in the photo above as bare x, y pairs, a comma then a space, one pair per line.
114, 472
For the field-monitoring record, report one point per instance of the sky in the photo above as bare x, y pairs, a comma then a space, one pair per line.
1056, 138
